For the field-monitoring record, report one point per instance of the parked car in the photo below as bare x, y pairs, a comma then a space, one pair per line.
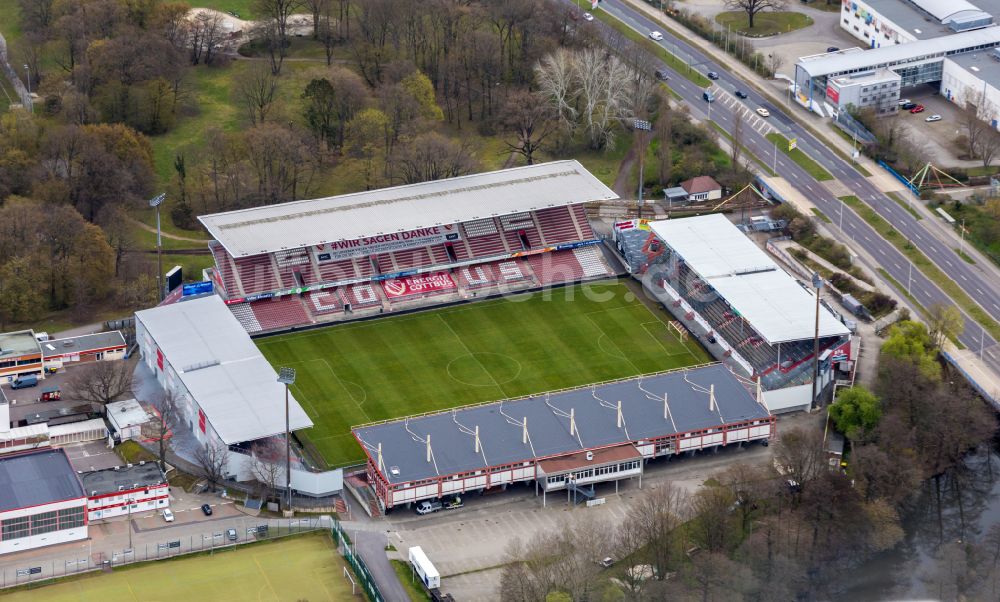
763, 112
206, 509
904, 101
908, 105
606, 562
655, 35
917, 109
51, 393
662, 75
832, 49
933, 118
428, 506
167, 515
588, 17
24, 382
231, 534
741, 94
712, 75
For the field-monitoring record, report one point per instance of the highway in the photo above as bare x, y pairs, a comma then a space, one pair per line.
984, 289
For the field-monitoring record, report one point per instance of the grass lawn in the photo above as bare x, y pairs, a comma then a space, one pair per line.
10, 21
524, 344
298, 568
925, 265
804, 161
672, 61
411, 584
764, 23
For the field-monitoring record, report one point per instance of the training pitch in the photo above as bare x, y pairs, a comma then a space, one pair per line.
501, 348
298, 568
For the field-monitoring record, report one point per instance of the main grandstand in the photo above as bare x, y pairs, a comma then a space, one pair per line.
748, 312
344, 257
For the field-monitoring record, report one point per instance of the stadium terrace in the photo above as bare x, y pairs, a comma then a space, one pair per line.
572, 439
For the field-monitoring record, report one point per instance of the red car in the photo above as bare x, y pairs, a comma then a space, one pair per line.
917, 109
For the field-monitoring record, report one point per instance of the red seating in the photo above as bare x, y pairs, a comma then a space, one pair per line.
580, 217
439, 254
290, 262
256, 274
322, 302
484, 275
363, 266
362, 295
557, 225
555, 267
385, 265
412, 258
224, 268
280, 312
331, 271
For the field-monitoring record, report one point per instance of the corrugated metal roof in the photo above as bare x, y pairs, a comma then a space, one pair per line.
943, 9
36, 478
82, 344
222, 369
548, 426
777, 306
887, 56
402, 208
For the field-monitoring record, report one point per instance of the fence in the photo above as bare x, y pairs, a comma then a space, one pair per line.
357, 564
990, 397
899, 177
166, 545
15, 81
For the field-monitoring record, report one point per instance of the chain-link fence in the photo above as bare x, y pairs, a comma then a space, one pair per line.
350, 554
165, 545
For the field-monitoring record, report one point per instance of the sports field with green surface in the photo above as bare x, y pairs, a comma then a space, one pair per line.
298, 568
509, 347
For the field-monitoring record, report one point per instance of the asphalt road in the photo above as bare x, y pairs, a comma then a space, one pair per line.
977, 284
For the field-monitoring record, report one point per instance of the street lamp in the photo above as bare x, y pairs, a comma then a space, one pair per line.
155, 202
31, 104
817, 282
641, 125
286, 376
130, 502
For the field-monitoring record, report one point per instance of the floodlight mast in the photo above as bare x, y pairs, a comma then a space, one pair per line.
156, 202
286, 376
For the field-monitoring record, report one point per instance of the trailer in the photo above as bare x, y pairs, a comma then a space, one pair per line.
423, 567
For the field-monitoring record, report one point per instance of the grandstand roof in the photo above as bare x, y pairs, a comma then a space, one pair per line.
225, 373
500, 433
402, 208
777, 306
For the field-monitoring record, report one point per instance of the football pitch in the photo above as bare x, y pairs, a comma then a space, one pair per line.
298, 568
507, 347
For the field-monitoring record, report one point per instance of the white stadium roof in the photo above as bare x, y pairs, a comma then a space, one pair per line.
777, 306
222, 369
388, 210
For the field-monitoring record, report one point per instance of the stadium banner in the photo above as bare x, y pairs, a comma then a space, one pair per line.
395, 275
386, 243
419, 284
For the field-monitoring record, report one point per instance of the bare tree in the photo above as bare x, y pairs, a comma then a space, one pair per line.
166, 422
101, 382
256, 88
267, 465
530, 118
432, 156
554, 74
204, 34
604, 94
800, 454
944, 322
989, 146
274, 28
752, 7
975, 114
213, 462
774, 62
659, 513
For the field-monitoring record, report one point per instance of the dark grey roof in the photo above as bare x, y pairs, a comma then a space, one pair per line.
38, 477
82, 344
98, 482
453, 443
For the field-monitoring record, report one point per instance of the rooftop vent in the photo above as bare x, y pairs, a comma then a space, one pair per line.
590, 456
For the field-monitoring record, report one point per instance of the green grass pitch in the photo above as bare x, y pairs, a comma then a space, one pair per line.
298, 568
501, 348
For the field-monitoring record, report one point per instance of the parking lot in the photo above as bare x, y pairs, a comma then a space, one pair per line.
936, 140
25, 402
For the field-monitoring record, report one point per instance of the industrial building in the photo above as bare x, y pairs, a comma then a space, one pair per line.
20, 355
567, 441
951, 45
123, 490
42, 502
86, 348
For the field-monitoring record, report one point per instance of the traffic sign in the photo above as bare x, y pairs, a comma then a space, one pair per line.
792, 144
